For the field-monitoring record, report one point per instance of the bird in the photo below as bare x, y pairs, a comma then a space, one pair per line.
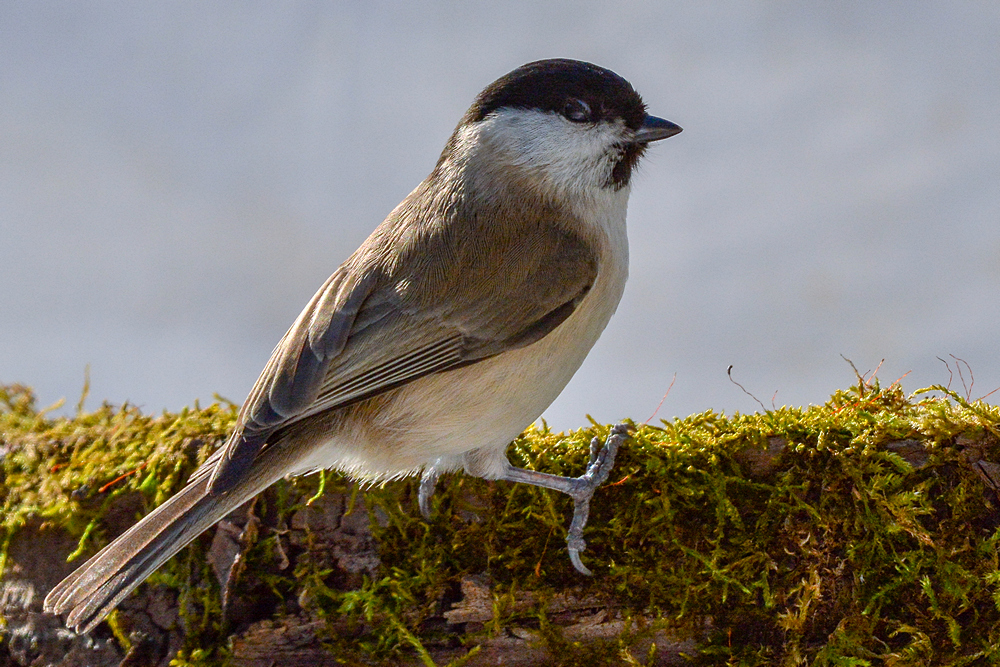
445, 334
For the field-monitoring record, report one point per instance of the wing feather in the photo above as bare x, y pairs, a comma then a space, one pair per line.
415, 299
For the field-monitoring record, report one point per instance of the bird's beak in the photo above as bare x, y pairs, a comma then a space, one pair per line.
654, 129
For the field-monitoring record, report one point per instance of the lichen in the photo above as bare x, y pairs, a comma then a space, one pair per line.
840, 550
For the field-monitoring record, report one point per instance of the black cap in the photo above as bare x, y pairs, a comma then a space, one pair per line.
549, 85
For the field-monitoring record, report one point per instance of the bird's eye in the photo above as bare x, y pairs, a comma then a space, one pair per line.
577, 111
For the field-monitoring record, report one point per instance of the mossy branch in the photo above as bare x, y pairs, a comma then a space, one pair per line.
863, 531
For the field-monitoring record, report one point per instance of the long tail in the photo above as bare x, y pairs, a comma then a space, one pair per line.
96, 587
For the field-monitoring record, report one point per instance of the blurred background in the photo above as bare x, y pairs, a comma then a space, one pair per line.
178, 178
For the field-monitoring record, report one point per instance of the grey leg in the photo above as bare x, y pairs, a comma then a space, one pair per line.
427, 482
580, 489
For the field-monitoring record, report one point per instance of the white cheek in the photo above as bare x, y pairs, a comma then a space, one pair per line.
571, 157
570, 163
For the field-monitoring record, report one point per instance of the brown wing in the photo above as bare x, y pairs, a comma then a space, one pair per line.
415, 299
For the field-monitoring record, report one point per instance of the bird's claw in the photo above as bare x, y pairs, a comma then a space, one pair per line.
580, 489
427, 482
602, 459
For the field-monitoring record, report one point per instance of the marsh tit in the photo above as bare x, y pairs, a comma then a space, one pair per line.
450, 330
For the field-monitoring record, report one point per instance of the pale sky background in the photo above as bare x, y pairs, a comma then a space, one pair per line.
178, 178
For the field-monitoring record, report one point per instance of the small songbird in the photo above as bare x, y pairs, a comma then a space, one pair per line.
450, 330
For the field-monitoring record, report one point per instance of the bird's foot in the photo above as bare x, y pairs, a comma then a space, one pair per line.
427, 482
602, 459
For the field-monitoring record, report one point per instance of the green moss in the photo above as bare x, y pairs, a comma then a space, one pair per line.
839, 552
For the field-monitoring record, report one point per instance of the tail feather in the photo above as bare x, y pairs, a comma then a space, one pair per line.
95, 588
